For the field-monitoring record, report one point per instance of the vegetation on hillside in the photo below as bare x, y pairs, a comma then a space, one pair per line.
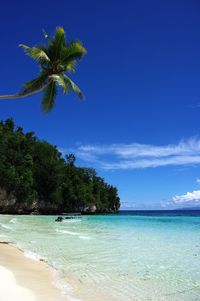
34, 171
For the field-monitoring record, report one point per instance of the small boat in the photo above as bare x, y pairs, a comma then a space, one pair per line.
59, 219
69, 216
73, 216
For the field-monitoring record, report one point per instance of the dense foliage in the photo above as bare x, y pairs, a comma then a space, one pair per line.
35, 172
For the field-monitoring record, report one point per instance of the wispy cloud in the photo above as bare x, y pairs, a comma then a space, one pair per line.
189, 198
140, 156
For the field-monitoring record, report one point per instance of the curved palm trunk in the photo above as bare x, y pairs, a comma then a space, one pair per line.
22, 95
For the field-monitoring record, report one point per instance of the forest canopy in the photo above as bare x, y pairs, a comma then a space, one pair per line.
37, 178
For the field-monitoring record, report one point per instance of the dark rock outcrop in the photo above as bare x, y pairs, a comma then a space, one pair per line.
10, 205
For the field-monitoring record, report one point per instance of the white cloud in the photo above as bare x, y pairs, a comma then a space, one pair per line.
135, 150
138, 156
189, 197
128, 205
147, 163
198, 181
164, 204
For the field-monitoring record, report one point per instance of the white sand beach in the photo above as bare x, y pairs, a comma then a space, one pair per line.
10, 290
24, 279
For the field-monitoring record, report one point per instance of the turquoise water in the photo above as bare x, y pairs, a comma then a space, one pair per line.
115, 257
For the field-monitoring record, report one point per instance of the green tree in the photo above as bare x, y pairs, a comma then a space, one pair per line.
70, 159
56, 58
35, 174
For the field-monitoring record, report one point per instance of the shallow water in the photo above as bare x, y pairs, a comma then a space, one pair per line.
122, 257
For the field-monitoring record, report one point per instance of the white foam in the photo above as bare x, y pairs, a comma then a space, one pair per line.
33, 256
67, 232
85, 237
66, 290
72, 220
3, 235
60, 283
13, 220
74, 234
6, 227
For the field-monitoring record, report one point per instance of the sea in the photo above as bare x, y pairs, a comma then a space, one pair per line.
133, 255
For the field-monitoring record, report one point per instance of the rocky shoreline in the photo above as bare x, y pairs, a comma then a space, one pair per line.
10, 205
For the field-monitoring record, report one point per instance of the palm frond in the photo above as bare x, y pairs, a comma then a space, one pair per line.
71, 66
59, 79
36, 53
57, 43
71, 85
73, 51
35, 83
43, 47
48, 100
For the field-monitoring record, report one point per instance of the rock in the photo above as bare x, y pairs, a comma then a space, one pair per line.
35, 212
90, 209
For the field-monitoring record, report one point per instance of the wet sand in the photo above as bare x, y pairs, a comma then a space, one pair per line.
23, 279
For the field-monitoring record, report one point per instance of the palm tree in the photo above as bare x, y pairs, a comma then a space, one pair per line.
56, 59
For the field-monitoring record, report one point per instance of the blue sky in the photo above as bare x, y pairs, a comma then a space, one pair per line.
139, 125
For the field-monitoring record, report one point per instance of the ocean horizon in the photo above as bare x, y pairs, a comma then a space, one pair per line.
132, 255
162, 212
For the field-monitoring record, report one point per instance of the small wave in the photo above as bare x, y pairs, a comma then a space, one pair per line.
13, 220
3, 235
58, 281
6, 227
72, 220
34, 256
74, 234
66, 290
67, 232
85, 237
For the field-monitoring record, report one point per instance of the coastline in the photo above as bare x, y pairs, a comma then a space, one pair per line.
90, 259
22, 278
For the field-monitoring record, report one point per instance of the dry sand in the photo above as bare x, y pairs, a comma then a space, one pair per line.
24, 279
